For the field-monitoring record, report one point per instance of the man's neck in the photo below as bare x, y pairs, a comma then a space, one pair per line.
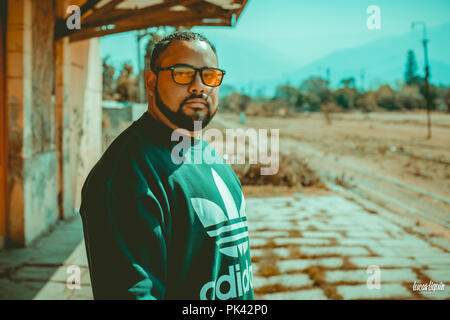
158, 116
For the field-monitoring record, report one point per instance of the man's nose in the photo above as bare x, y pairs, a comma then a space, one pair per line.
197, 85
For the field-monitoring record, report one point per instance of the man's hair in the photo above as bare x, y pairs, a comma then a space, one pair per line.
162, 45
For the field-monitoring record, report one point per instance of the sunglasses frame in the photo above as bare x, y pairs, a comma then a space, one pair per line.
200, 70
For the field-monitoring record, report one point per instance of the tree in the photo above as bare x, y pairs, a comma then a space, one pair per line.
314, 91
126, 85
411, 69
346, 97
348, 82
287, 93
108, 79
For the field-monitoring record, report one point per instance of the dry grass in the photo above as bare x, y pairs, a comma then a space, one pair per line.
293, 172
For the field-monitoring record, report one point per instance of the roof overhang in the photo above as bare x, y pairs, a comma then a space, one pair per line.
103, 17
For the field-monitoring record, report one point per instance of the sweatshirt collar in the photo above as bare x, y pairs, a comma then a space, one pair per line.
159, 133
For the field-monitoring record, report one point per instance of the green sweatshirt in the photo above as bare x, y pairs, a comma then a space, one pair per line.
160, 224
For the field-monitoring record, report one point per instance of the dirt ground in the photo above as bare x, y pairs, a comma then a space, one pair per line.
388, 145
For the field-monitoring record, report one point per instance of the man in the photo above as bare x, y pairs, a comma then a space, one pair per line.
156, 228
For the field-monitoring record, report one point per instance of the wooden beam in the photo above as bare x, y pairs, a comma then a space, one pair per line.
102, 11
178, 20
239, 11
88, 5
127, 20
167, 14
113, 18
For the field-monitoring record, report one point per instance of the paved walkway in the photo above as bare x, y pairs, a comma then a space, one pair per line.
303, 247
42, 270
321, 248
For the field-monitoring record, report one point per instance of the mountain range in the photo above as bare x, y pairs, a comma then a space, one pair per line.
254, 67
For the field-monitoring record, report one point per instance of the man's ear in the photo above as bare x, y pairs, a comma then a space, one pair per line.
150, 82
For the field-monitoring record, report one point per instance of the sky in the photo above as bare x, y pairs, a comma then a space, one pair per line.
302, 31
308, 29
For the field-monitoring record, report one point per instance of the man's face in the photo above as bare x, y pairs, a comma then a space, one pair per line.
184, 104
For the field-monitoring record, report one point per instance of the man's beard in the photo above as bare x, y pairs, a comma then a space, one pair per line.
181, 119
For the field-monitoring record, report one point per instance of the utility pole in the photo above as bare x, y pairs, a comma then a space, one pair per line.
427, 73
328, 76
362, 76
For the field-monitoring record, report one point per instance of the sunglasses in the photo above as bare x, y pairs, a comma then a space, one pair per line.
185, 74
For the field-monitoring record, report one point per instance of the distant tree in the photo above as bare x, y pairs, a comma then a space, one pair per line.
314, 91
346, 97
126, 85
287, 93
433, 93
411, 69
348, 82
367, 102
446, 98
315, 85
235, 102
107, 79
385, 97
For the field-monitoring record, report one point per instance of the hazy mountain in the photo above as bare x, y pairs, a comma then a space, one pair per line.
384, 60
251, 64
255, 66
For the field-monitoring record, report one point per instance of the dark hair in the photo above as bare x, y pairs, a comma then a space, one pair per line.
166, 41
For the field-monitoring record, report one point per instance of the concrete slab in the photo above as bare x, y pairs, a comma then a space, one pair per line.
310, 294
286, 280
334, 250
301, 264
361, 276
386, 291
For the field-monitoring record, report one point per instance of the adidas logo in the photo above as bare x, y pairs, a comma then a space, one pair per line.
229, 229
238, 281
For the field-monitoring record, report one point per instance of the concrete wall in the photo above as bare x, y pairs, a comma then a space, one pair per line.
116, 117
54, 118
32, 202
86, 112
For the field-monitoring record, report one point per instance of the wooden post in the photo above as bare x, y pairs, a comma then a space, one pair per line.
62, 92
3, 128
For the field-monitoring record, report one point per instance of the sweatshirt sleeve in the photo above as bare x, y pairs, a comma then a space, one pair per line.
127, 242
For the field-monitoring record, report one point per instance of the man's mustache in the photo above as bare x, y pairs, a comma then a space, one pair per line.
197, 96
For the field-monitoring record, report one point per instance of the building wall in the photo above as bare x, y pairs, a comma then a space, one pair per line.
116, 117
41, 160
53, 98
18, 95
3, 125
86, 124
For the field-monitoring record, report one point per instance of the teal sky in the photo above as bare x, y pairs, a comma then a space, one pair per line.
302, 31
308, 29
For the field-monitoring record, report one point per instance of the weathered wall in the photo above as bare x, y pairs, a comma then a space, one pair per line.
18, 96
62, 94
32, 155
54, 120
86, 121
116, 117
3, 125
41, 168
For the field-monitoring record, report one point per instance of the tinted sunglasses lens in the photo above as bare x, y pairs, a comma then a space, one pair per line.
212, 77
183, 75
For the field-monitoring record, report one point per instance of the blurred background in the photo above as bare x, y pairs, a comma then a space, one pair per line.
360, 93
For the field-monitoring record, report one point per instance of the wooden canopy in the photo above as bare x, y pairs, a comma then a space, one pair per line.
103, 17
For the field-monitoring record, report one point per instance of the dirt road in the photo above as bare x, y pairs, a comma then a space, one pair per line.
384, 157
